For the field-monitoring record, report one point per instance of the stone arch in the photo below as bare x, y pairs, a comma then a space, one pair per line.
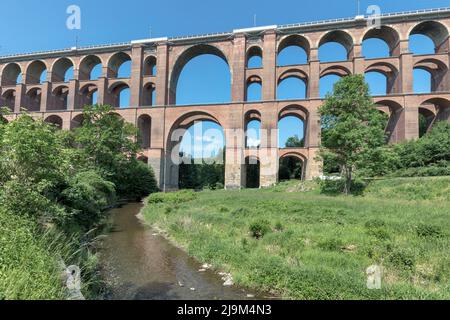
150, 66
60, 98
175, 135
436, 31
299, 112
114, 64
87, 64
148, 93
337, 70
390, 72
87, 95
35, 71
287, 156
144, 124
394, 132
438, 71
387, 34
76, 121
440, 107
116, 91
297, 41
293, 74
55, 120
10, 74
33, 98
341, 37
252, 52
60, 68
184, 58
249, 117
253, 81
9, 98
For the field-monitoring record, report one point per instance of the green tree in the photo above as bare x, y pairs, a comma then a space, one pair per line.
352, 127
295, 142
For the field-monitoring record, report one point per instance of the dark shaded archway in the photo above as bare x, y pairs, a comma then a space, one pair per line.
252, 172
145, 130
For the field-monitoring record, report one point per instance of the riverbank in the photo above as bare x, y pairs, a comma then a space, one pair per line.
303, 245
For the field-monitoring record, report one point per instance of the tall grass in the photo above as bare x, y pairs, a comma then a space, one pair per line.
315, 246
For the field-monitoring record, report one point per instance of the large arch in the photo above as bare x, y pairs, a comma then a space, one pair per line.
388, 35
184, 58
36, 72
10, 74
434, 30
292, 84
87, 65
115, 64
341, 37
61, 69
177, 131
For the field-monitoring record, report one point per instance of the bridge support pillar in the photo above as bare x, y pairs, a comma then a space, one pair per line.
156, 162
313, 165
234, 166
269, 167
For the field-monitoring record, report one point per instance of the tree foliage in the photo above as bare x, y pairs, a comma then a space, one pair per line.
353, 129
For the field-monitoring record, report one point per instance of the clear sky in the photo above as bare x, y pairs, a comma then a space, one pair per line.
30, 25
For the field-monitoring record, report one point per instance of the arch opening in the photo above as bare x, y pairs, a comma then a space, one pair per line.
291, 131
88, 95
293, 50
381, 42
290, 168
63, 70
429, 37
9, 99
11, 75
33, 98
150, 66
335, 46
60, 98
90, 68
254, 89
55, 121
149, 92
292, 88
36, 73
254, 58
252, 171
145, 128
326, 84
252, 130
377, 83
119, 66
197, 68
120, 95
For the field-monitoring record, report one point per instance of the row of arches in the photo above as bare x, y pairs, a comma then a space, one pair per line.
425, 38
62, 70
118, 96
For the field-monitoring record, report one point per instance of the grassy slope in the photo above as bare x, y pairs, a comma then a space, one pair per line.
326, 243
28, 267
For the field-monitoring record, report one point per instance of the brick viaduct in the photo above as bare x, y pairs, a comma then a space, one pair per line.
156, 65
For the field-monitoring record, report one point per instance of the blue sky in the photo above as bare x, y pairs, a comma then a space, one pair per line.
30, 25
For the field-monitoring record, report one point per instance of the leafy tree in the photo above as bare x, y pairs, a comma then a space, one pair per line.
295, 142
352, 127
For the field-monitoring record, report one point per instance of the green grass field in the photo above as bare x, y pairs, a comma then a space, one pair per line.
316, 246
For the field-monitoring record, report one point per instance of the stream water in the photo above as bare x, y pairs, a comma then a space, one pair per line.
142, 265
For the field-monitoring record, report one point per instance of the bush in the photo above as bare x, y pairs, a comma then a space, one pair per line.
331, 244
402, 258
135, 180
427, 230
87, 196
336, 187
259, 228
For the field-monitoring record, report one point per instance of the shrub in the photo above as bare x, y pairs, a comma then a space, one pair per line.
402, 258
427, 230
332, 244
375, 223
259, 228
135, 180
240, 212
